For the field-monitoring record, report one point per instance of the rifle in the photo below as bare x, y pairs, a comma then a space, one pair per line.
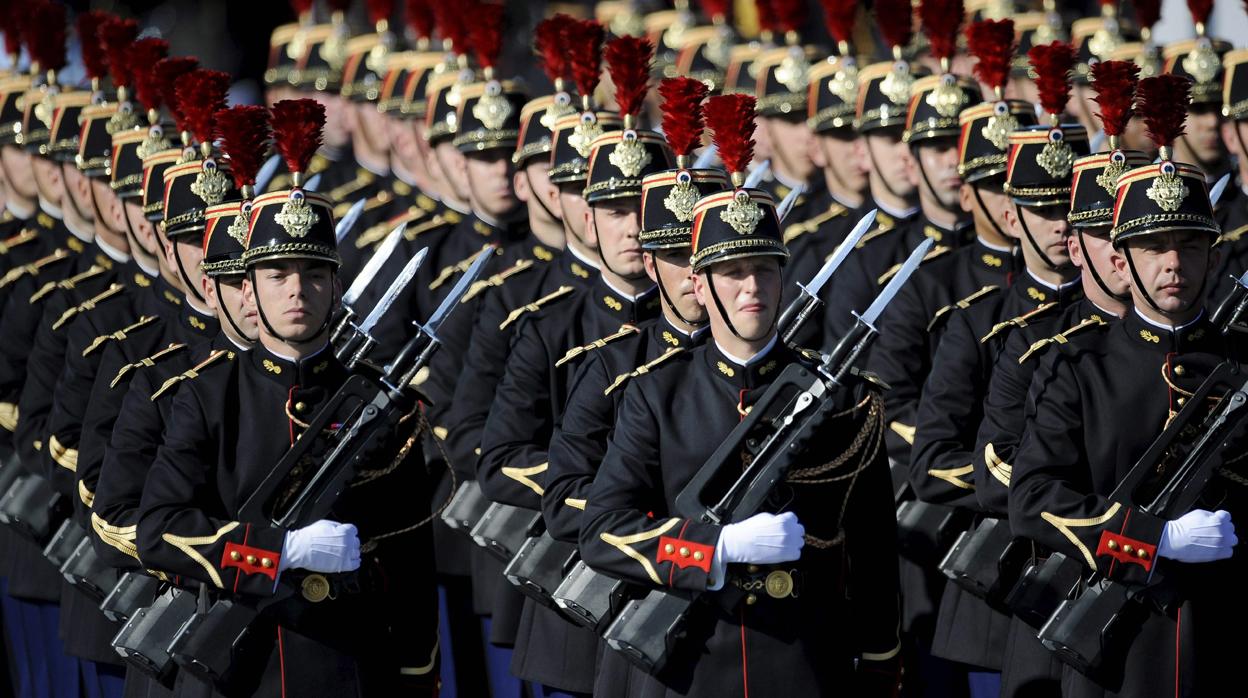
466, 508
304, 486
352, 348
346, 310
777, 432
1092, 631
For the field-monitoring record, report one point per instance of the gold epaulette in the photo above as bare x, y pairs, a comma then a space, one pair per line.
432, 224
1020, 321
119, 335
1234, 235
148, 362
193, 372
1090, 321
23, 237
67, 284
641, 370
363, 178
879, 230
811, 225
535, 305
62, 455
497, 279
599, 343
381, 198
937, 251
87, 305
34, 267
378, 232
456, 268
961, 305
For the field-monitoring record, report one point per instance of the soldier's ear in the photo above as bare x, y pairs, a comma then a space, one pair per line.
651, 263
1011, 219
249, 292
591, 230
520, 183
966, 197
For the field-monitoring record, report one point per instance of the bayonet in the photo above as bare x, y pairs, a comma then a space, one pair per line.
758, 174
348, 221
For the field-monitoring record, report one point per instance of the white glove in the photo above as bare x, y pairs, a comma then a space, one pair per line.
762, 539
325, 546
1198, 536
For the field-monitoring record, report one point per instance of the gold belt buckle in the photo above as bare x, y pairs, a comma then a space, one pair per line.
779, 584
315, 588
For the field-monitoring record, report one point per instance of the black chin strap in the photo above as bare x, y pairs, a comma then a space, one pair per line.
1032, 241
216, 281
603, 258
875, 166
1139, 283
987, 214
186, 279
538, 197
928, 182
719, 305
1096, 275
251, 273
672, 306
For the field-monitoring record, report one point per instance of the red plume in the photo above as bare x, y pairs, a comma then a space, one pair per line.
244, 134
628, 59
297, 125
116, 35
142, 58
1200, 9
1163, 103
731, 120
486, 33
44, 33
549, 40
419, 16
941, 19
584, 39
201, 94
896, 23
379, 10
1147, 12
839, 16
682, 113
716, 8
11, 25
1114, 82
450, 19
1052, 63
167, 72
790, 14
992, 43
302, 7
93, 58
766, 15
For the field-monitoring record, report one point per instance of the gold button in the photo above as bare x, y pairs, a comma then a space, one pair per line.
669, 548
1142, 554
301, 406
698, 556
751, 600
1182, 401
1112, 545
266, 562
251, 559
1128, 549
1179, 370
752, 569
684, 552
236, 556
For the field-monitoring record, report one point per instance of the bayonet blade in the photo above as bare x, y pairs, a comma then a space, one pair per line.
313, 182
348, 221
834, 262
435, 321
707, 158
374, 265
790, 199
1218, 189
758, 175
396, 287
894, 284
267, 171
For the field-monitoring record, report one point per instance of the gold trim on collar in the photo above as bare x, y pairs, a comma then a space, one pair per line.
119, 335
145, 363
954, 476
186, 545
497, 279
62, 455
536, 305
522, 476
1064, 525
625, 543
574, 352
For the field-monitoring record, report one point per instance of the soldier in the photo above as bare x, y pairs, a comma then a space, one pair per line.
1200, 61
1147, 365
669, 422
1233, 207
378, 636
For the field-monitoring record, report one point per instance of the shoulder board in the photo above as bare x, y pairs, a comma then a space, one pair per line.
87, 305
146, 363
461, 266
67, 284
119, 335
497, 279
812, 224
33, 268
961, 305
1090, 321
381, 198
425, 202
1020, 321
937, 251
363, 178
642, 369
432, 224
193, 372
561, 292
23, 237
1233, 235
599, 343
319, 163
379, 231
879, 230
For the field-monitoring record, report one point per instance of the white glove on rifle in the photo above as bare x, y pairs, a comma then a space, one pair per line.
1198, 536
325, 546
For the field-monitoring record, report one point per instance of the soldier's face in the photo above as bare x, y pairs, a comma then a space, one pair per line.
78, 188
295, 295
672, 269
1171, 268
888, 159
790, 146
573, 208
370, 125
613, 227
534, 188
1202, 136
490, 177
840, 156
17, 171
191, 254
935, 163
1093, 250
454, 169
233, 301
995, 204
750, 291
48, 180
142, 228
109, 206
336, 132
1048, 228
